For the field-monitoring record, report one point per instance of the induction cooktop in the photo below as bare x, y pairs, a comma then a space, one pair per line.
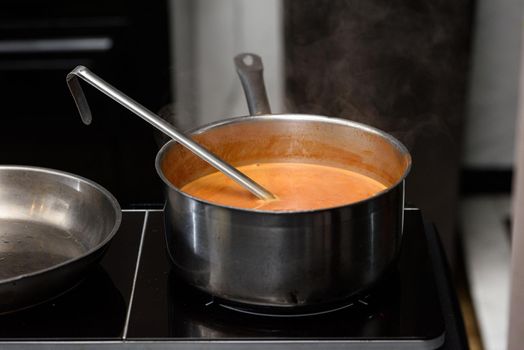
133, 299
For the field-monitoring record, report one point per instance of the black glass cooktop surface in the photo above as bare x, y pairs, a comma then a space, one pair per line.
95, 308
133, 299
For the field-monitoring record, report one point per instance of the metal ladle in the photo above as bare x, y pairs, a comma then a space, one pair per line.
168, 129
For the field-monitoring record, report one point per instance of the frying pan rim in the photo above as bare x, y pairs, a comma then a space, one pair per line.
105, 241
287, 116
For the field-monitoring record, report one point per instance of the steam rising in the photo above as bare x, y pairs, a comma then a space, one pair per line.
389, 64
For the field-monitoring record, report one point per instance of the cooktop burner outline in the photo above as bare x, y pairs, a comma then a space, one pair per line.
292, 315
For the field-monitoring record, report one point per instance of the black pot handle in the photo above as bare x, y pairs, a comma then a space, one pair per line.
249, 68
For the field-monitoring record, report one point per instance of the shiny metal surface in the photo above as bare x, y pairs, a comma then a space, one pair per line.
53, 226
286, 259
157, 122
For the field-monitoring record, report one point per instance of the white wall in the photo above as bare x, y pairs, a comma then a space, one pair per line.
207, 34
490, 127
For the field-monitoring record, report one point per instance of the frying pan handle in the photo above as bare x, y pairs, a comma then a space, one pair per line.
250, 70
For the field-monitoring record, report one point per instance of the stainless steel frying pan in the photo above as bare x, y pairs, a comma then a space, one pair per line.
53, 227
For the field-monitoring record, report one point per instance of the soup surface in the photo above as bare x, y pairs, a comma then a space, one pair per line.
297, 186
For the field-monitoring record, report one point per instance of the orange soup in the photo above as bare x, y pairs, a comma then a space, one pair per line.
297, 186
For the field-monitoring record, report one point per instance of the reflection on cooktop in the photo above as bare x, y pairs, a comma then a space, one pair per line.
195, 314
94, 308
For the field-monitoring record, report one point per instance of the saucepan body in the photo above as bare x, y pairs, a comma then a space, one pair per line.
294, 258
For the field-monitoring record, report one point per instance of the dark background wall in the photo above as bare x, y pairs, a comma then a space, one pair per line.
397, 65
40, 42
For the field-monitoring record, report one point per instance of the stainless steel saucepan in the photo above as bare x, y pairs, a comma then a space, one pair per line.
284, 260
53, 227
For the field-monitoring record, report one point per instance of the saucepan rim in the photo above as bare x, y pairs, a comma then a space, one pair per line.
284, 117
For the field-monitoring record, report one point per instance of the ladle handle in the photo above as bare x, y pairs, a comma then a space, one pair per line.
250, 70
157, 122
